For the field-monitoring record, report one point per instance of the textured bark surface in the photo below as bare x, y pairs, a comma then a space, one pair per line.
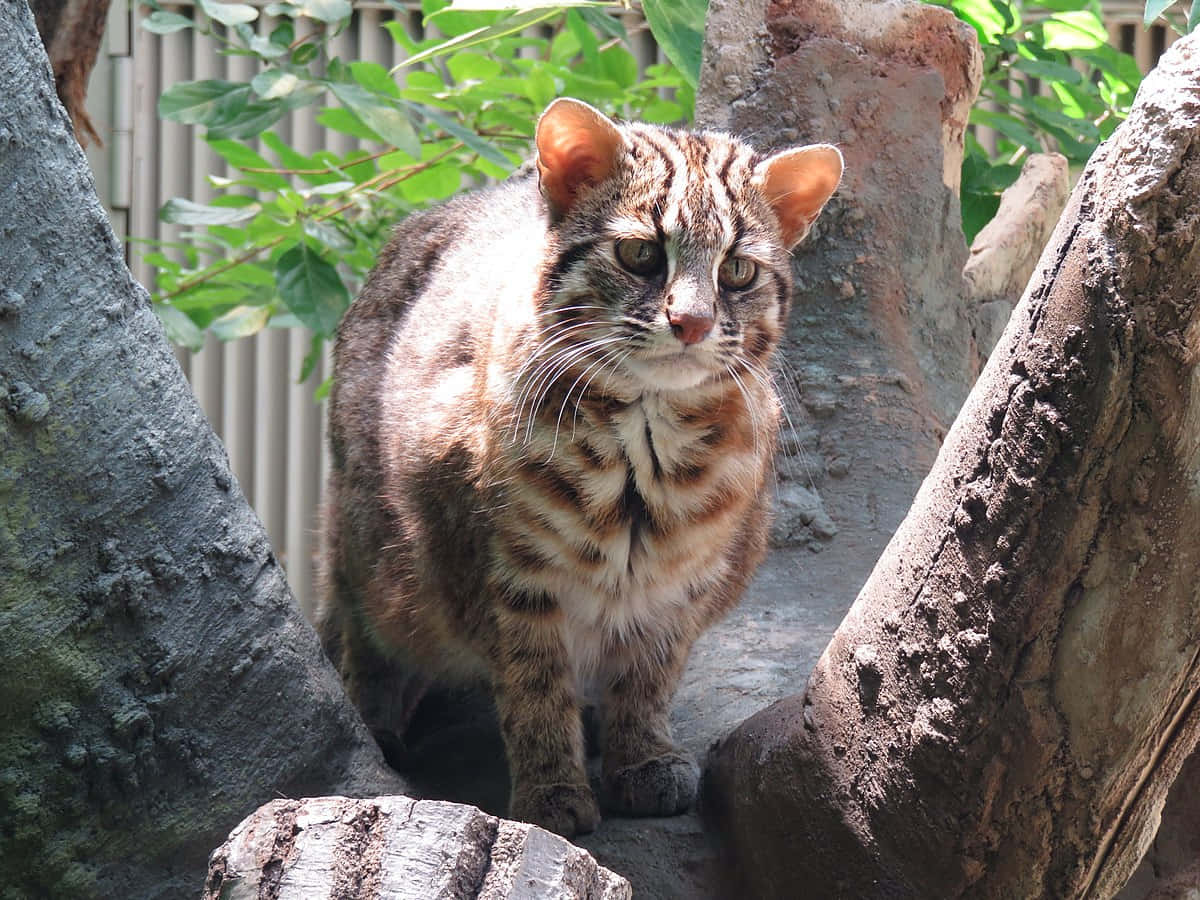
157, 682
1170, 870
1004, 708
71, 32
401, 849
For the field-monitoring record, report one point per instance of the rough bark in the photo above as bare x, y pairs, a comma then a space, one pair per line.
1170, 870
71, 32
157, 681
1005, 251
1004, 708
401, 849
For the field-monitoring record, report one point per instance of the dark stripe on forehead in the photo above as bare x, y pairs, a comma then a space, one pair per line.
654, 147
723, 172
659, 205
730, 194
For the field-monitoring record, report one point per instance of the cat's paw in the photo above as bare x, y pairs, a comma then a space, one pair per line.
660, 786
566, 809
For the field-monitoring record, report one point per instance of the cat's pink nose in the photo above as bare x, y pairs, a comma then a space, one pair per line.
689, 328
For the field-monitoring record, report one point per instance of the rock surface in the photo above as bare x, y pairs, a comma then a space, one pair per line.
399, 849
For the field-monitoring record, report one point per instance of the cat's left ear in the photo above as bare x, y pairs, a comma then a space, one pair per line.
577, 146
797, 183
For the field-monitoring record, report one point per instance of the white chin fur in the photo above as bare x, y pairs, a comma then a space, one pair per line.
670, 373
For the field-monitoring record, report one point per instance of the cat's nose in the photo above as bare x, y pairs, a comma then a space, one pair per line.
689, 328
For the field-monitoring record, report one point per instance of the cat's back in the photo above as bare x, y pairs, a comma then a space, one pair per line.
447, 280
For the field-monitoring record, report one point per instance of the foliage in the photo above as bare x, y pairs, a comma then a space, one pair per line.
290, 234
1167, 11
1051, 82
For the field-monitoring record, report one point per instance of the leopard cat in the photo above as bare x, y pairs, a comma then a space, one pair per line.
552, 425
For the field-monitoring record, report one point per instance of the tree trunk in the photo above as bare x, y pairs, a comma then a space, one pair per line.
1008, 701
1170, 870
71, 32
399, 849
157, 682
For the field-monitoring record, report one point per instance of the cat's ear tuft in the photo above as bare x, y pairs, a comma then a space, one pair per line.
577, 146
797, 183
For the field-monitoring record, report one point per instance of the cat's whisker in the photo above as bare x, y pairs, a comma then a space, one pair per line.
567, 398
551, 378
771, 382
596, 368
546, 366
551, 339
616, 365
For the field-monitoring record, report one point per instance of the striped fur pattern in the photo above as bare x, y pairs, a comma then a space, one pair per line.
550, 467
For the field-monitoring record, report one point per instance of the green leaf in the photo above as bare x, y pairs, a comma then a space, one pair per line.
983, 17
508, 25
304, 54
473, 67
374, 77
250, 121
309, 365
1154, 9
678, 26
977, 211
163, 22
272, 83
330, 11
619, 66
179, 211
267, 48
381, 115
438, 182
604, 23
201, 102
1193, 17
1007, 126
467, 136
311, 288
326, 234
228, 13
1079, 30
239, 322
180, 329
242, 157
1048, 71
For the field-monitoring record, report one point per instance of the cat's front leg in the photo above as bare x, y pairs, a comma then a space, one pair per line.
534, 687
645, 773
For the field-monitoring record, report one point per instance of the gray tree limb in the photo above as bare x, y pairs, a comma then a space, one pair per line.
157, 682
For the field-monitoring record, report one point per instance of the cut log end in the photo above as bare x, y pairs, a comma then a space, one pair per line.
402, 849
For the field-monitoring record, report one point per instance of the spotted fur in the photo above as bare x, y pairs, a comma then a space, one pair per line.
535, 481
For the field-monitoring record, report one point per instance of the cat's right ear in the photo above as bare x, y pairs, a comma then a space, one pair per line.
577, 146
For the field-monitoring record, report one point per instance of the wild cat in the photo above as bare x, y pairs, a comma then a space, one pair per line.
552, 426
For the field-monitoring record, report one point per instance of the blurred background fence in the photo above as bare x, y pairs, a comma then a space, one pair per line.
271, 425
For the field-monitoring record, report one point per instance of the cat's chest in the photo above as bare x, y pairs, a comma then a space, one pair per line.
639, 518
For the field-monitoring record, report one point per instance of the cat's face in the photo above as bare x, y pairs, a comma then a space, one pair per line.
674, 261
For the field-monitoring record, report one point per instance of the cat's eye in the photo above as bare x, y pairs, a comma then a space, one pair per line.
736, 273
640, 257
